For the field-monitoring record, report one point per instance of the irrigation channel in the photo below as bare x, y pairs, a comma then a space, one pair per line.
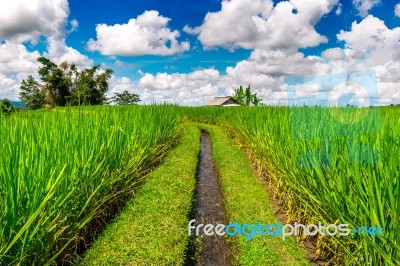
209, 207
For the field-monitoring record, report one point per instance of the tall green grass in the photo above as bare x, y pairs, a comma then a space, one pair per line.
325, 175
61, 169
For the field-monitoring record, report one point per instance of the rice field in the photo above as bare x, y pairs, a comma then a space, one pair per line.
326, 171
61, 170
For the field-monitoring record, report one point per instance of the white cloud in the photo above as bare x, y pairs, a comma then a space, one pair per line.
256, 24
120, 84
266, 71
364, 6
233, 26
146, 35
193, 31
390, 72
74, 24
15, 58
397, 10
370, 44
16, 63
338, 9
58, 52
22, 20
187, 89
371, 34
8, 87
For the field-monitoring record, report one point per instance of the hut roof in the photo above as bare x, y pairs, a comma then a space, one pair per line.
219, 101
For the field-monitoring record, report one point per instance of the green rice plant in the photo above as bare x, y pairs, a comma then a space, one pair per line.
60, 170
336, 187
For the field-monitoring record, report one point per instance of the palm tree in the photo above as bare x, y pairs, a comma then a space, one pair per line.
245, 97
239, 95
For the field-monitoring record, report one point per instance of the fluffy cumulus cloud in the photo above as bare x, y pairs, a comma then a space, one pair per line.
397, 10
147, 35
59, 52
28, 20
16, 62
338, 9
266, 72
370, 44
189, 89
372, 35
257, 24
364, 6
8, 87
15, 58
120, 84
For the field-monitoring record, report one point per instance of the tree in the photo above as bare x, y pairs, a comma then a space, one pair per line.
246, 97
239, 95
255, 100
91, 85
31, 94
56, 85
125, 98
66, 85
6, 106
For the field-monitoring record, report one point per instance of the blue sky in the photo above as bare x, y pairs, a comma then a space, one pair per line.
199, 49
192, 13
181, 13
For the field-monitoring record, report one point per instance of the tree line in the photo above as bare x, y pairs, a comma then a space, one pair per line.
66, 84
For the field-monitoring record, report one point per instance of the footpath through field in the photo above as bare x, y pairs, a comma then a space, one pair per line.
247, 202
153, 227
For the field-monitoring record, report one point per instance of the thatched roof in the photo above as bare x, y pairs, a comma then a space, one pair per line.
220, 101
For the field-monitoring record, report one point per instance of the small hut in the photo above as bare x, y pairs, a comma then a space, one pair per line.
225, 101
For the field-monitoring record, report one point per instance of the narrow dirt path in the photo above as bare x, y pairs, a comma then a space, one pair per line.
210, 209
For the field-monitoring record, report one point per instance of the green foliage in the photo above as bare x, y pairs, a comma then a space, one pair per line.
6, 107
56, 83
31, 94
347, 192
125, 98
90, 86
66, 85
243, 195
164, 197
246, 97
61, 169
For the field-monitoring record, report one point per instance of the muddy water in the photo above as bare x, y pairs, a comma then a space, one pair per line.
210, 209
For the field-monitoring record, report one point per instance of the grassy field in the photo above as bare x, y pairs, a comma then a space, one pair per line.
151, 230
62, 171
247, 201
330, 184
